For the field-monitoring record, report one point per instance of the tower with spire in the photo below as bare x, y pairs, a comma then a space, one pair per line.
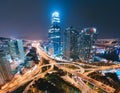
54, 35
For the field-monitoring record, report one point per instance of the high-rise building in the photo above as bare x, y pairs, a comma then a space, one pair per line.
86, 41
16, 49
13, 49
21, 50
70, 43
5, 69
54, 35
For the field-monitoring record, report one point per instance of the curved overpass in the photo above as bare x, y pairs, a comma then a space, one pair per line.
30, 75
15, 83
84, 77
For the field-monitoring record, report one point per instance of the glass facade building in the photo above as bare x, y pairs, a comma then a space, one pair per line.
16, 49
86, 41
70, 43
54, 35
5, 69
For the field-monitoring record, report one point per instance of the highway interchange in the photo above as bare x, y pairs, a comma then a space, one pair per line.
80, 73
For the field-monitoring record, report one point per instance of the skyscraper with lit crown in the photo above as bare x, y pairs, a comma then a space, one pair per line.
54, 35
86, 41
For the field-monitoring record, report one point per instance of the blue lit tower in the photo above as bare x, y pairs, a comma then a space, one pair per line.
54, 35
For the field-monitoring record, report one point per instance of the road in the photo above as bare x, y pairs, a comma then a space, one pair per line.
84, 77
36, 71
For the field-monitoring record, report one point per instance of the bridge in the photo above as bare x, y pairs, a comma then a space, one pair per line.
77, 78
83, 77
78, 75
36, 72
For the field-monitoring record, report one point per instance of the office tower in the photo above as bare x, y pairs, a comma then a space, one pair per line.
16, 49
21, 50
70, 45
87, 38
13, 49
5, 69
54, 35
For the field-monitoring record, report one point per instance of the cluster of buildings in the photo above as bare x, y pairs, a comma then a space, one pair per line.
70, 43
11, 51
108, 49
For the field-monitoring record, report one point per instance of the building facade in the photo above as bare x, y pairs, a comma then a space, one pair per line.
5, 69
70, 43
54, 35
86, 41
21, 50
16, 50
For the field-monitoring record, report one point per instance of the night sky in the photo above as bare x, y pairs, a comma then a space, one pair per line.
30, 19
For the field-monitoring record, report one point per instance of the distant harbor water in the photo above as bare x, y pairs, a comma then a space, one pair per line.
118, 73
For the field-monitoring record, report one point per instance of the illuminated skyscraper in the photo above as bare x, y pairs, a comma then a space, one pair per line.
86, 40
70, 43
16, 49
21, 50
54, 35
5, 69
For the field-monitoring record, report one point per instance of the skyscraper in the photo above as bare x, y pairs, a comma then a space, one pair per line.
70, 43
86, 40
16, 49
21, 50
5, 69
54, 35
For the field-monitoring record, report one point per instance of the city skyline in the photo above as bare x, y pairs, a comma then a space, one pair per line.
20, 19
55, 46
